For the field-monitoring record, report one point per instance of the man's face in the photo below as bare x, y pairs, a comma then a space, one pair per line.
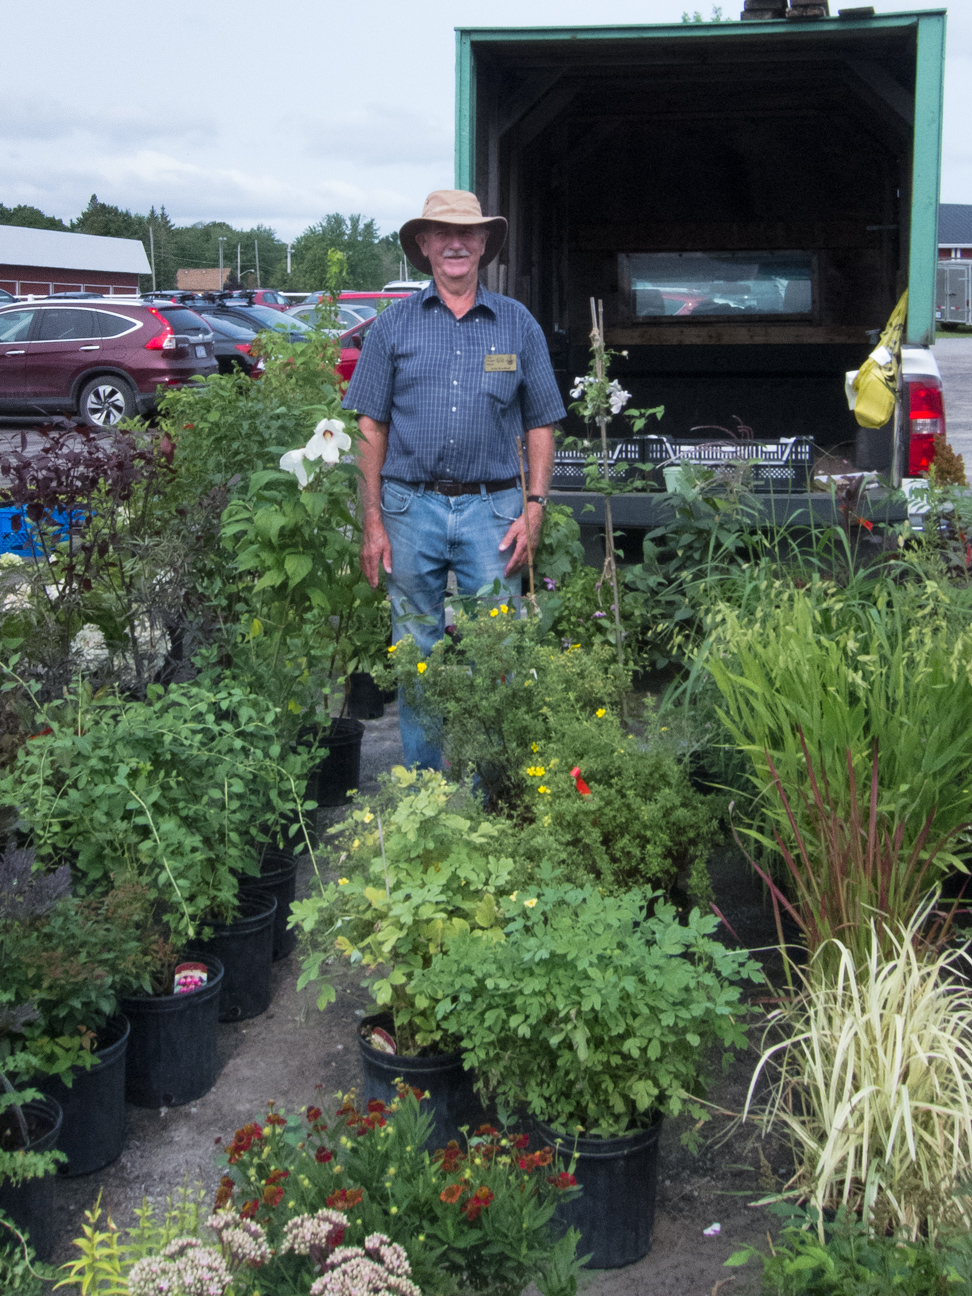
453, 250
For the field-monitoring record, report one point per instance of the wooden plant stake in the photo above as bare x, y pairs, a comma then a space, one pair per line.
532, 597
610, 565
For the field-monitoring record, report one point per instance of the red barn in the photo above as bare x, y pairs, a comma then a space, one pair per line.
40, 262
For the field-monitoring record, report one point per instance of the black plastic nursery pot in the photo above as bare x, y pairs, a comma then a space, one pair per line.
93, 1131
452, 1100
172, 1057
365, 700
30, 1204
278, 876
245, 949
339, 773
616, 1211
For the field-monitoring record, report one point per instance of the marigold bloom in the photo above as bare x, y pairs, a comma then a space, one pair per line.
452, 1194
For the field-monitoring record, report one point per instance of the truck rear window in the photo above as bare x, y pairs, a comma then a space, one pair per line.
726, 285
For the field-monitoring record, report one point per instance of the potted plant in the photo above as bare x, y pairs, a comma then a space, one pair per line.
67, 961
29, 1126
597, 1014
419, 871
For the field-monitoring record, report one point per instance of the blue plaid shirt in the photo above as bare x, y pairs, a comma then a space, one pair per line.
423, 373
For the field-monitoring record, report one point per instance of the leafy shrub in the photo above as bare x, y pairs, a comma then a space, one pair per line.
423, 867
643, 823
596, 1012
493, 691
853, 1261
871, 1068
170, 792
20, 1271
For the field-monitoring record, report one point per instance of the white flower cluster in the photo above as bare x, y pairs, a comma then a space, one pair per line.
88, 647
185, 1267
327, 441
381, 1269
9, 560
17, 600
614, 393
320, 1230
244, 1242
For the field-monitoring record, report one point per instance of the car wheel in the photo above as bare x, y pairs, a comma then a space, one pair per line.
106, 401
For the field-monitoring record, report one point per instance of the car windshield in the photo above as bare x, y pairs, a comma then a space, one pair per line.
229, 328
270, 318
361, 309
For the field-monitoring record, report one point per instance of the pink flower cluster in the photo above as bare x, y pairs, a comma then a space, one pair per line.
307, 1234
244, 1241
185, 1266
380, 1269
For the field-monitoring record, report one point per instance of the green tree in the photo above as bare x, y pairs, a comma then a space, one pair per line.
365, 251
29, 218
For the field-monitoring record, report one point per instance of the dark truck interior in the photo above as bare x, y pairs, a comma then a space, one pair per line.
739, 200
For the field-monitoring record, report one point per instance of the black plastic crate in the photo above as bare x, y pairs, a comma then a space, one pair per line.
776, 465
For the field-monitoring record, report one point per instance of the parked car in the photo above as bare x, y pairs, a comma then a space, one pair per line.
406, 286
267, 297
6, 296
101, 360
256, 317
232, 345
349, 346
344, 316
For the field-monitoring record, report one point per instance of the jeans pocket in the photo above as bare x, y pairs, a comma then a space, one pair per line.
395, 497
506, 505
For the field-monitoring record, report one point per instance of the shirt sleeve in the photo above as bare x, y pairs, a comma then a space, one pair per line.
539, 395
370, 389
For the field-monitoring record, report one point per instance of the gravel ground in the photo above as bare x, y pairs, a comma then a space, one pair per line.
292, 1047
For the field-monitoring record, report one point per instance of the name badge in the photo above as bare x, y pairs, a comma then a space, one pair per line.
500, 363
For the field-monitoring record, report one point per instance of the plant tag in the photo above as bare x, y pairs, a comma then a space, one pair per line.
712, 1231
189, 977
500, 363
382, 1041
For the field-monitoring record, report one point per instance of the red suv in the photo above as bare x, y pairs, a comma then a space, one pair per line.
102, 359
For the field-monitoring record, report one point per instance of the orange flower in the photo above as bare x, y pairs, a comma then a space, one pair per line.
272, 1195
249, 1209
452, 1194
544, 1157
224, 1192
345, 1198
276, 1175
562, 1180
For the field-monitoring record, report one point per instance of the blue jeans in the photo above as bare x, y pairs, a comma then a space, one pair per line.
430, 535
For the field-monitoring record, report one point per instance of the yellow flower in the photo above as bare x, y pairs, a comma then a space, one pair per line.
504, 608
393, 1211
393, 648
664, 728
534, 747
367, 816
541, 788
600, 712
342, 881
422, 667
536, 771
356, 843
494, 612
530, 904
514, 895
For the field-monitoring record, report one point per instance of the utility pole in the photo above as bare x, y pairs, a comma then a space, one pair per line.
152, 255
289, 250
221, 241
238, 279
256, 258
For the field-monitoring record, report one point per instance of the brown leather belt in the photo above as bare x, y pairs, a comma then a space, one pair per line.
470, 488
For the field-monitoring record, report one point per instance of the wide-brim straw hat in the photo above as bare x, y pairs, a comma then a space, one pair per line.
452, 207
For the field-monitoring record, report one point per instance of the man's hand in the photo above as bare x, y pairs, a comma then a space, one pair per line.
375, 550
517, 536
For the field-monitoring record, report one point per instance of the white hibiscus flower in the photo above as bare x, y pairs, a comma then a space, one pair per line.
329, 439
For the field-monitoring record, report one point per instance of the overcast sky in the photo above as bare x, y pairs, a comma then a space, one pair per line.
279, 113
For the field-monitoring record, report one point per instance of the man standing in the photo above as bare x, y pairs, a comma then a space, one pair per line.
447, 381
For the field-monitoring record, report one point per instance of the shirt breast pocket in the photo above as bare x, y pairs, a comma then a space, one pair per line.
501, 386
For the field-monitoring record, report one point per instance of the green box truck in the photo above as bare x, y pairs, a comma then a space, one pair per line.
748, 199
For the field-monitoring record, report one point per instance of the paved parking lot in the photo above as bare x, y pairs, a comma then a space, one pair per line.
954, 356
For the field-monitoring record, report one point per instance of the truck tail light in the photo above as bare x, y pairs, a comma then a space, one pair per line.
164, 341
244, 347
926, 413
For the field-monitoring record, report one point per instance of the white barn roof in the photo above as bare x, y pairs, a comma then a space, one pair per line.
52, 248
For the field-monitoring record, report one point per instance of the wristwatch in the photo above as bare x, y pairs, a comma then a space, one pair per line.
537, 499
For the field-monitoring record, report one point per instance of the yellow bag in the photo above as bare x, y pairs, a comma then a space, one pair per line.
876, 384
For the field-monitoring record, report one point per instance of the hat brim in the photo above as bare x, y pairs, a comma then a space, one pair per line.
494, 242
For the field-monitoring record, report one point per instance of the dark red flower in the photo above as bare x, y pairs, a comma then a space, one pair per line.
376, 1105
274, 1119
249, 1209
272, 1195
275, 1176
322, 1156
314, 1114
562, 1180
521, 1141
486, 1131
345, 1198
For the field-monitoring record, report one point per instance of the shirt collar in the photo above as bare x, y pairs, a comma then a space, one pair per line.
430, 293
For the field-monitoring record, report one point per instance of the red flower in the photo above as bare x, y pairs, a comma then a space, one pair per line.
544, 1157
275, 1176
224, 1192
322, 1156
521, 1141
472, 1210
477, 1203
486, 1131
579, 783
562, 1180
249, 1209
314, 1114
376, 1105
272, 1195
274, 1119
404, 1089
345, 1198
452, 1194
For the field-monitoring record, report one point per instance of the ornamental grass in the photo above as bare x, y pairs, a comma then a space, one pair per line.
872, 1083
